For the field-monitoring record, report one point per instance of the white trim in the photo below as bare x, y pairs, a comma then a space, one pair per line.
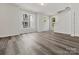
75, 35
72, 35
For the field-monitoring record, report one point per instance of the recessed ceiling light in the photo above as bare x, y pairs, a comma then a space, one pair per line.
42, 4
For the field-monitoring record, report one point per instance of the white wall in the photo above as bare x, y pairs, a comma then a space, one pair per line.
33, 23
63, 23
75, 20
9, 21
41, 25
11, 18
68, 23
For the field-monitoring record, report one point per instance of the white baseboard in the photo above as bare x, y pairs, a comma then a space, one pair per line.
72, 35
75, 35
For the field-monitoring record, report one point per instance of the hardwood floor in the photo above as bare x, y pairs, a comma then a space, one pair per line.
43, 43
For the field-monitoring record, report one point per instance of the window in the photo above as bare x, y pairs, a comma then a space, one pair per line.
25, 21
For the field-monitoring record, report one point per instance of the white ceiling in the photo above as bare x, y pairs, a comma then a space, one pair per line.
47, 8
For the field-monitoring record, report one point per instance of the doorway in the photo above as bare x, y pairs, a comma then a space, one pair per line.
52, 23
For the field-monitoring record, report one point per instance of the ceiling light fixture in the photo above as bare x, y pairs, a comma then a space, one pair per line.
42, 4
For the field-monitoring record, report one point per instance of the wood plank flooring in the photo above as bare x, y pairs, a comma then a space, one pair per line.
42, 43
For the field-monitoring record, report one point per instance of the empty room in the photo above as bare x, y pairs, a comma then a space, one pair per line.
39, 28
